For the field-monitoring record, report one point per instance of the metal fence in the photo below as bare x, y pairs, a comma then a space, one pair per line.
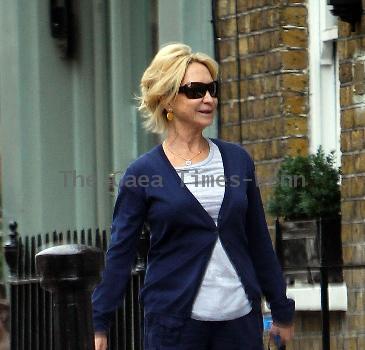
32, 326
32, 319
329, 265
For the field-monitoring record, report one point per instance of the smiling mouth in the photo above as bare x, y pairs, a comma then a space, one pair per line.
206, 112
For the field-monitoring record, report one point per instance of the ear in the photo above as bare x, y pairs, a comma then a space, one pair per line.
168, 107
168, 104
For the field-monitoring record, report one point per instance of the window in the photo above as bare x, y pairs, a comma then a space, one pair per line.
324, 81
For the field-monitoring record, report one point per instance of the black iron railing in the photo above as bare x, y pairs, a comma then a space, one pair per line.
32, 307
328, 265
32, 313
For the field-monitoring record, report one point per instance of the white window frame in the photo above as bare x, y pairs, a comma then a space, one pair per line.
324, 79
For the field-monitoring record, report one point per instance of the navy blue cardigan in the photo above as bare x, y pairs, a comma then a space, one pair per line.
183, 236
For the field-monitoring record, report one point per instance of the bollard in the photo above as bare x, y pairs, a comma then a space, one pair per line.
71, 272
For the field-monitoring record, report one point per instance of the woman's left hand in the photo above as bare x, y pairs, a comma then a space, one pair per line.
286, 332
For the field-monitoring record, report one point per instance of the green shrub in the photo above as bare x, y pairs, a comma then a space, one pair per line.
307, 187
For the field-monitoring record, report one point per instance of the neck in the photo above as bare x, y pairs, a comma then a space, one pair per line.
186, 140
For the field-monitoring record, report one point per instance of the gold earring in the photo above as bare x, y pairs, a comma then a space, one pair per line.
170, 115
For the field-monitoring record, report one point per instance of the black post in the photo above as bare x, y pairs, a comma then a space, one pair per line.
279, 253
71, 272
324, 287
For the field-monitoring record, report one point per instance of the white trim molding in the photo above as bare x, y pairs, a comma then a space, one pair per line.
324, 81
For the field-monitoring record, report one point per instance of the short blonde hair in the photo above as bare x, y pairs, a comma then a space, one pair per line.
161, 81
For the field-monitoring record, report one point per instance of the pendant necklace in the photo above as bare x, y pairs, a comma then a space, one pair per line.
188, 161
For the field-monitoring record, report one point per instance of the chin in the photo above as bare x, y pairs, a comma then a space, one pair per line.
209, 120
205, 117
202, 120
204, 124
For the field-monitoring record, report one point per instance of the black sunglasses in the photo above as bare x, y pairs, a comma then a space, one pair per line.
194, 90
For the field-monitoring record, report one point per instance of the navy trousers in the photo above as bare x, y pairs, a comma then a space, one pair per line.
170, 333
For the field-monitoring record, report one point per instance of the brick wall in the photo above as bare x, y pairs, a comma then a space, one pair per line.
263, 54
351, 53
264, 65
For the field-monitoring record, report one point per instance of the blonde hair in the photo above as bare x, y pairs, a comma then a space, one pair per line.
161, 81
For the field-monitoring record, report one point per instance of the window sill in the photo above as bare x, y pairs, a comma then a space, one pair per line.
308, 297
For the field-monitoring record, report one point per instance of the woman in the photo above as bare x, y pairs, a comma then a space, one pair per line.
210, 256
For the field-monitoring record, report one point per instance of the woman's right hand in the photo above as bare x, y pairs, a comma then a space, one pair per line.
101, 341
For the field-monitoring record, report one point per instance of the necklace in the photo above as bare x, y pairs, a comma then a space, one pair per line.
188, 161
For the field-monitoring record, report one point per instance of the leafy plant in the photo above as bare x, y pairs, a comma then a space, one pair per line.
307, 187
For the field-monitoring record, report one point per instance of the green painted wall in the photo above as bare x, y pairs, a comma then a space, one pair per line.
188, 21
66, 124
